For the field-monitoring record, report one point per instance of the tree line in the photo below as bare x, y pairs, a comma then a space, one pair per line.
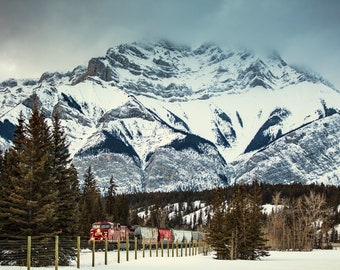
239, 229
41, 195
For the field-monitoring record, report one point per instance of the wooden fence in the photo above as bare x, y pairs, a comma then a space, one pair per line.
124, 251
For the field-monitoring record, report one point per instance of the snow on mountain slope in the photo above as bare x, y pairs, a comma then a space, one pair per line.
306, 155
156, 156
247, 112
161, 116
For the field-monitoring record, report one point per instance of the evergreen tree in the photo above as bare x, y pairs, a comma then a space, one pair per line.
91, 209
67, 184
10, 168
257, 236
121, 210
1, 161
244, 223
236, 233
217, 237
30, 191
110, 199
32, 198
37, 167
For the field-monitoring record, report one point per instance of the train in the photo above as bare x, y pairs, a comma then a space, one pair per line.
114, 232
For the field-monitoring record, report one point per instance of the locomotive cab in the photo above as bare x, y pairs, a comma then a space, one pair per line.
103, 230
100, 231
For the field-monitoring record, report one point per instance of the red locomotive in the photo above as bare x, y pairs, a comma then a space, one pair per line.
110, 231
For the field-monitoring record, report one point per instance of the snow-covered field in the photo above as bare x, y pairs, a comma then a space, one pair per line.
317, 259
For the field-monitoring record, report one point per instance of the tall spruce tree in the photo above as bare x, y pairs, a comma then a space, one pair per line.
217, 236
258, 242
67, 184
244, 223
30, 193
91, 209
1, 161
31, 200
10, 168
111, 199
37, 161
235, 233
121, 210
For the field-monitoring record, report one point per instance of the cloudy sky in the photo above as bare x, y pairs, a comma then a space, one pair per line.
49, 35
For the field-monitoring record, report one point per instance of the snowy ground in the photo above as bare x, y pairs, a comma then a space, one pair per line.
317, 259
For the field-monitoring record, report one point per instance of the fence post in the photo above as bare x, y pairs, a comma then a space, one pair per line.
136, 247
156, 248
150, 246
168, 247
78, 252
93, 251
118, 249
177, 248
143, 244
172, 249
106, 248
56, 257
127, 246
29, 246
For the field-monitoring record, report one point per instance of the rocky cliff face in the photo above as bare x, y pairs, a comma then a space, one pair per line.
167, 70
306, 155
161, 116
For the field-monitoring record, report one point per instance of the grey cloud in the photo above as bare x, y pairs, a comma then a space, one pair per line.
40, 35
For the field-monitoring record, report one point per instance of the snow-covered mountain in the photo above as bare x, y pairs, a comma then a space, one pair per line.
162, 116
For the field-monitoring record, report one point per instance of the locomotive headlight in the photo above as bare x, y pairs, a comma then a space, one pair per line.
98, 230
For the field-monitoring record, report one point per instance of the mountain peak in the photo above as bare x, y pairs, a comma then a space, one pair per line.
171, 71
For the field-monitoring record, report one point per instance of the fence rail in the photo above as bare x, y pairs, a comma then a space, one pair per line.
57, 251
